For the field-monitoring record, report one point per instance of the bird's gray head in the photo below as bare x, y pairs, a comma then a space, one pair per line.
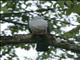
38, 18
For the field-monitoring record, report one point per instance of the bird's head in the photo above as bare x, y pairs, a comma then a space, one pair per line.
38, 18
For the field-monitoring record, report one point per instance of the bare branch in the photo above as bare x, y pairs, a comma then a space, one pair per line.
10, 21
17, 39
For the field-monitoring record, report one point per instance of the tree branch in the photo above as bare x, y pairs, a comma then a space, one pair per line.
10, 21
17, 39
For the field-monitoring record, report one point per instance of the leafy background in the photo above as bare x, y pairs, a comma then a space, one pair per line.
59, 15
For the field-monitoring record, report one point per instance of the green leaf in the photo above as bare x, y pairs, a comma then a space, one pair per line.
72, 33
77, 8
69, 11
14, 28
61, 3
4, 9
78, 19
4, 0
25, 18
68, 3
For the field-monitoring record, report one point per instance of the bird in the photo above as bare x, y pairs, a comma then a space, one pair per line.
39, 29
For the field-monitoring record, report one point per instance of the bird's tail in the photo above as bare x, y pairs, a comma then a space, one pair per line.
42, 42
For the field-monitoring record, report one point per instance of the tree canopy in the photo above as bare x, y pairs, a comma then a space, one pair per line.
64, 24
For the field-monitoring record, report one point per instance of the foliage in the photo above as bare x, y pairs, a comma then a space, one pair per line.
19, 12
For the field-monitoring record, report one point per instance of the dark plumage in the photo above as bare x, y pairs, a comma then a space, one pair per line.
38, 26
